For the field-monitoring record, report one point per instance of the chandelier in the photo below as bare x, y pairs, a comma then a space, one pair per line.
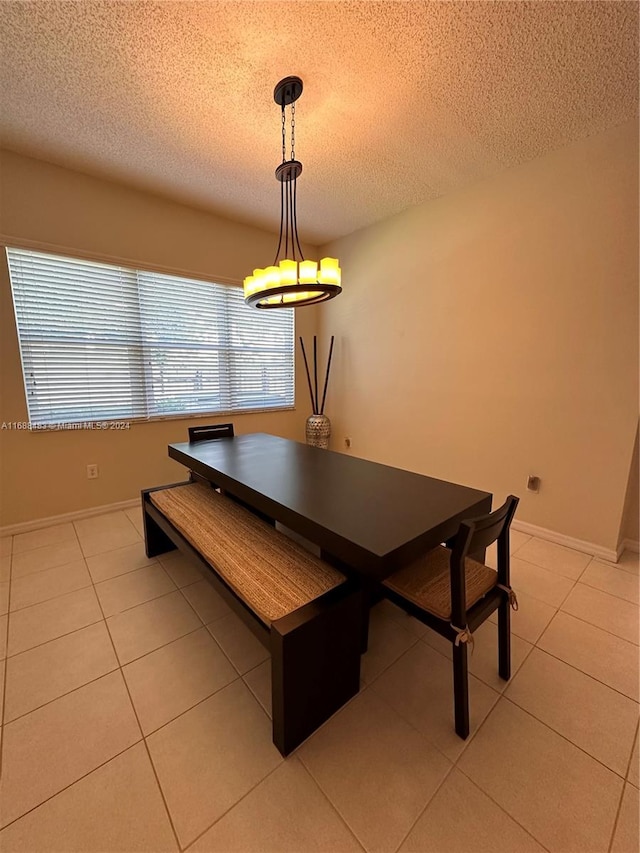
291, 281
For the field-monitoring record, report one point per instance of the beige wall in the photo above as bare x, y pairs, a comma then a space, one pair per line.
493, 334
45, 474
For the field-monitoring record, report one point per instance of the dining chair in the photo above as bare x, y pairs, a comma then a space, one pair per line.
453, 594
206, 433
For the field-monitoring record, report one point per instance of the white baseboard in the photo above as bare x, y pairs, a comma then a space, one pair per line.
39, 523
524, 527
608, 554
630, 545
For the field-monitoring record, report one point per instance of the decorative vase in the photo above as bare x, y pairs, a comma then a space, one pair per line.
318, 430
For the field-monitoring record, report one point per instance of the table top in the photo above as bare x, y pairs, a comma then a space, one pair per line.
369, 516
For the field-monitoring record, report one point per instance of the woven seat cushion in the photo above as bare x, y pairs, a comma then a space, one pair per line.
270, 572
426, 582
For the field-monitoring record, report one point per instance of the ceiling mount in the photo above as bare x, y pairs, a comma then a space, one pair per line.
287, 91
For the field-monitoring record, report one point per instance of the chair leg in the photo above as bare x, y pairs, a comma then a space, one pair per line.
461, 690
504, 640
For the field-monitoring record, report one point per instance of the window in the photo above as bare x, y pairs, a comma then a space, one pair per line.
103, 342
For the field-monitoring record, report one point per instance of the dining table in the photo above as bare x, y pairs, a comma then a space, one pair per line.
367, 518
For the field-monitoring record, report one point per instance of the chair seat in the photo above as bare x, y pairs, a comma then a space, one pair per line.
426, 582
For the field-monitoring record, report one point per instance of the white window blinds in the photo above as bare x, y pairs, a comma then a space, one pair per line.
103, 342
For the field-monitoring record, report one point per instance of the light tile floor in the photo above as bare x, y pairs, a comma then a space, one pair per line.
136, 715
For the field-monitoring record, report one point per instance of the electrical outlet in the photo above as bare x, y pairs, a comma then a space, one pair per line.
533, 483
92, 472
347, 442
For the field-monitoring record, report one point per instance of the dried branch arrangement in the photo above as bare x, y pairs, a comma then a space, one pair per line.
313, 390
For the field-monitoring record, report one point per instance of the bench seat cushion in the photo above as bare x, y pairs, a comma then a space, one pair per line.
270, 572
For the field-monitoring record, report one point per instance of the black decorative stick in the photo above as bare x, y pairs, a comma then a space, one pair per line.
306, 367
326, 377
315, 374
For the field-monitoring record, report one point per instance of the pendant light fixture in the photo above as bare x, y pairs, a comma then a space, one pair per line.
291, 281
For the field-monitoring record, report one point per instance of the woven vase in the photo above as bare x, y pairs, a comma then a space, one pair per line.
318, 430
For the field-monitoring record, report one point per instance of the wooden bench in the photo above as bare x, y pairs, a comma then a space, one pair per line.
307, 613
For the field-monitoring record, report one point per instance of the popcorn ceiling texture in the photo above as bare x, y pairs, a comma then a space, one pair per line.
403, 101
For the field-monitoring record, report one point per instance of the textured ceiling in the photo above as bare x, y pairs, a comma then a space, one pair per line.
403, 101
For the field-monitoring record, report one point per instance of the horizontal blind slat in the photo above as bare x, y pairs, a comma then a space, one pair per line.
101, 341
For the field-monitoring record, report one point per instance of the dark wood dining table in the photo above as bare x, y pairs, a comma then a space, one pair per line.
366, 518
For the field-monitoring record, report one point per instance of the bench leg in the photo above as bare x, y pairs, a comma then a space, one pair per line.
315, 667
156, 540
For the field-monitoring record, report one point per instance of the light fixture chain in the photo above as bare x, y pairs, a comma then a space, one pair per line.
284, 136
293, 130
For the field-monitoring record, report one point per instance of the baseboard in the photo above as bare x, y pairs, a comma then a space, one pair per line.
608, 554
27, 526
630, 545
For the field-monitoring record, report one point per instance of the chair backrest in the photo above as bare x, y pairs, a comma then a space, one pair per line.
488, 528
476, 534
206, 433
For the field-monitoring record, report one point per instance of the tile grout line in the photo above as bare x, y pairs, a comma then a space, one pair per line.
53, 639
567, 739
205, 625
226, 811
75, 539
563, 602
588, 675
83, 557
609, 594
496, 803
154, 566
164, 645
117, 512
144, 737
586, 622
6, 659
365, 687
92, 585
616, 819
119, 667
390, 664
4, 707
370, 686
409, 722
148, 565
555, 572
66, 693
49, 568
542, 722
334, 808
600, 628
455, 763
53, 597
612, 594
135, 713
318, 783
426, 806
71, 784
479, 678
635, 741
120, 663
200, 702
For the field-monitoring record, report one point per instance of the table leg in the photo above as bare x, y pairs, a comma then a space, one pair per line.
367, 588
